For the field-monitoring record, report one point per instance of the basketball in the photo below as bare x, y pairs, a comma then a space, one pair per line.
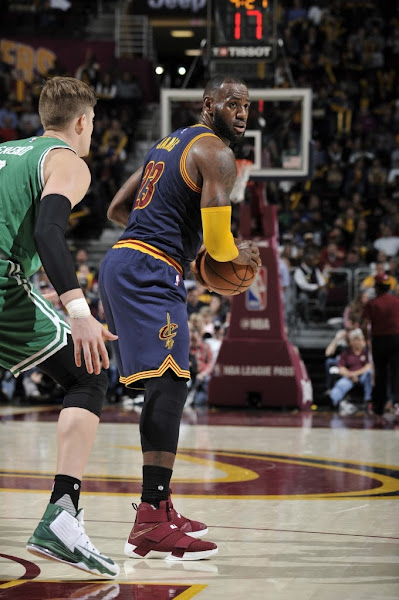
225, 278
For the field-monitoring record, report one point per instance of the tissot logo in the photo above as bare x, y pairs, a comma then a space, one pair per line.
242, 51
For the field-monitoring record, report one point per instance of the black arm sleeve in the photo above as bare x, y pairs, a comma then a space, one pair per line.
51, 244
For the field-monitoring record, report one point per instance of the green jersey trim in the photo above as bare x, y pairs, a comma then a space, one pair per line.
40, 164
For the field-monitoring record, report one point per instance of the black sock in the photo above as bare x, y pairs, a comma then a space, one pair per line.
155, 484
66, 492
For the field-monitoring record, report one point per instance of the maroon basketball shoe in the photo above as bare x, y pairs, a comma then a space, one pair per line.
155, 535
194, 528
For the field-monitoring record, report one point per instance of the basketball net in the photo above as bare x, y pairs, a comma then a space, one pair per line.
243, 171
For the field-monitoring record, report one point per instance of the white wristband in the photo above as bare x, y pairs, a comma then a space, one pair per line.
78, 309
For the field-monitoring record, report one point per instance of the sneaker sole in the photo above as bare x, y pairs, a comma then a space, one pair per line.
130, 552
192, 555
197, 534
42, 552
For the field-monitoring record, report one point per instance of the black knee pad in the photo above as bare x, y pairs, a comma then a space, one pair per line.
160, 418
82, 389
87, 391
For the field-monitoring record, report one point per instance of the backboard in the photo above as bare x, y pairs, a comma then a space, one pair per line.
278, 138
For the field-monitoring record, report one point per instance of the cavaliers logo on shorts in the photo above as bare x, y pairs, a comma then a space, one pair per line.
168, 332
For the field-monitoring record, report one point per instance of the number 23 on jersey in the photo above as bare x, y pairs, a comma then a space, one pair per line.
152, 173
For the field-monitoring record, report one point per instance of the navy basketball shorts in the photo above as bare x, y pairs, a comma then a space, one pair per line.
144, 300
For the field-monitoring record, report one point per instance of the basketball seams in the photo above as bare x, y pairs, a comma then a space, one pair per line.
243, 279
237, 275
231, 291
234, 287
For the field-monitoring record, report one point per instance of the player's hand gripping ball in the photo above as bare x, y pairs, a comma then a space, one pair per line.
224, 278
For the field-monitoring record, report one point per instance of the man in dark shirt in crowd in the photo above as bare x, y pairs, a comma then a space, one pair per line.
383, 315
194, 304
311, 285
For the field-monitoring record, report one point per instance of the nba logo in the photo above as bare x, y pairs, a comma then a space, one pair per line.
256, 295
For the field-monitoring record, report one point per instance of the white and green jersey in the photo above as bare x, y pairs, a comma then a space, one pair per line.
21, 187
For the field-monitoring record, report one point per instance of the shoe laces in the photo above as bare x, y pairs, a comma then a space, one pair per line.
84, 540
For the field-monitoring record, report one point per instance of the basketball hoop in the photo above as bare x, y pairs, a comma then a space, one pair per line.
243, 171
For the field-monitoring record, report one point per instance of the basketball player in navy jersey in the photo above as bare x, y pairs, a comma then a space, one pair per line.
178, 200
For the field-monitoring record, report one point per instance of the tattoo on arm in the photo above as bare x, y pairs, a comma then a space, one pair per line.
224, 178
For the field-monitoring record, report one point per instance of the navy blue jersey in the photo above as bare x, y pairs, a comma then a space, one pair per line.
166, 211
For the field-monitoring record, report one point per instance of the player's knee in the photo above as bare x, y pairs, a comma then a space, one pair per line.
82, 390
87, 391
160, 418
168, 390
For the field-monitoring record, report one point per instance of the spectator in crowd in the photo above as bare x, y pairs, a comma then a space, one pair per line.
376, 179
335, 348
197, 322
216, 339
354, 310
286, 288
379, 257
7, 131
331, 258
29, 121
353, 367
360, 236
218, 307
369, 282
129, 92
194, 304
353, 259
382, 313
38, 387
387, 241
7, 385
289, 249
204, 295
106, 89
311, 285
7, 112
113, 155
89, 70
206, 314
205, 363
81, 258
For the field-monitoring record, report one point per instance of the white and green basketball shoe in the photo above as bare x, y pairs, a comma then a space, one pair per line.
60, 536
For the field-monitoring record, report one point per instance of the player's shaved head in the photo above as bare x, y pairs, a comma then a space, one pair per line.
216, 83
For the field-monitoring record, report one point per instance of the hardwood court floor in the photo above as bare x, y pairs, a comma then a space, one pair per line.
303, 506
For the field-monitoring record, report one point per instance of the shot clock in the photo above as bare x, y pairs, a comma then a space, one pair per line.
244, 30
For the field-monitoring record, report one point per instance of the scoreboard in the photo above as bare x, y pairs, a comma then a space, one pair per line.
243, 30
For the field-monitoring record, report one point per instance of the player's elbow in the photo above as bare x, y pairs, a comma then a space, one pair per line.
117, 215
110, 213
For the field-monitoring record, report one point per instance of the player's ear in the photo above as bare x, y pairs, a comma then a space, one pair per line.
81, 123
208, 104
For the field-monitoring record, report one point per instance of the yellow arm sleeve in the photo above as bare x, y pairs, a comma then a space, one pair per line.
218, 239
